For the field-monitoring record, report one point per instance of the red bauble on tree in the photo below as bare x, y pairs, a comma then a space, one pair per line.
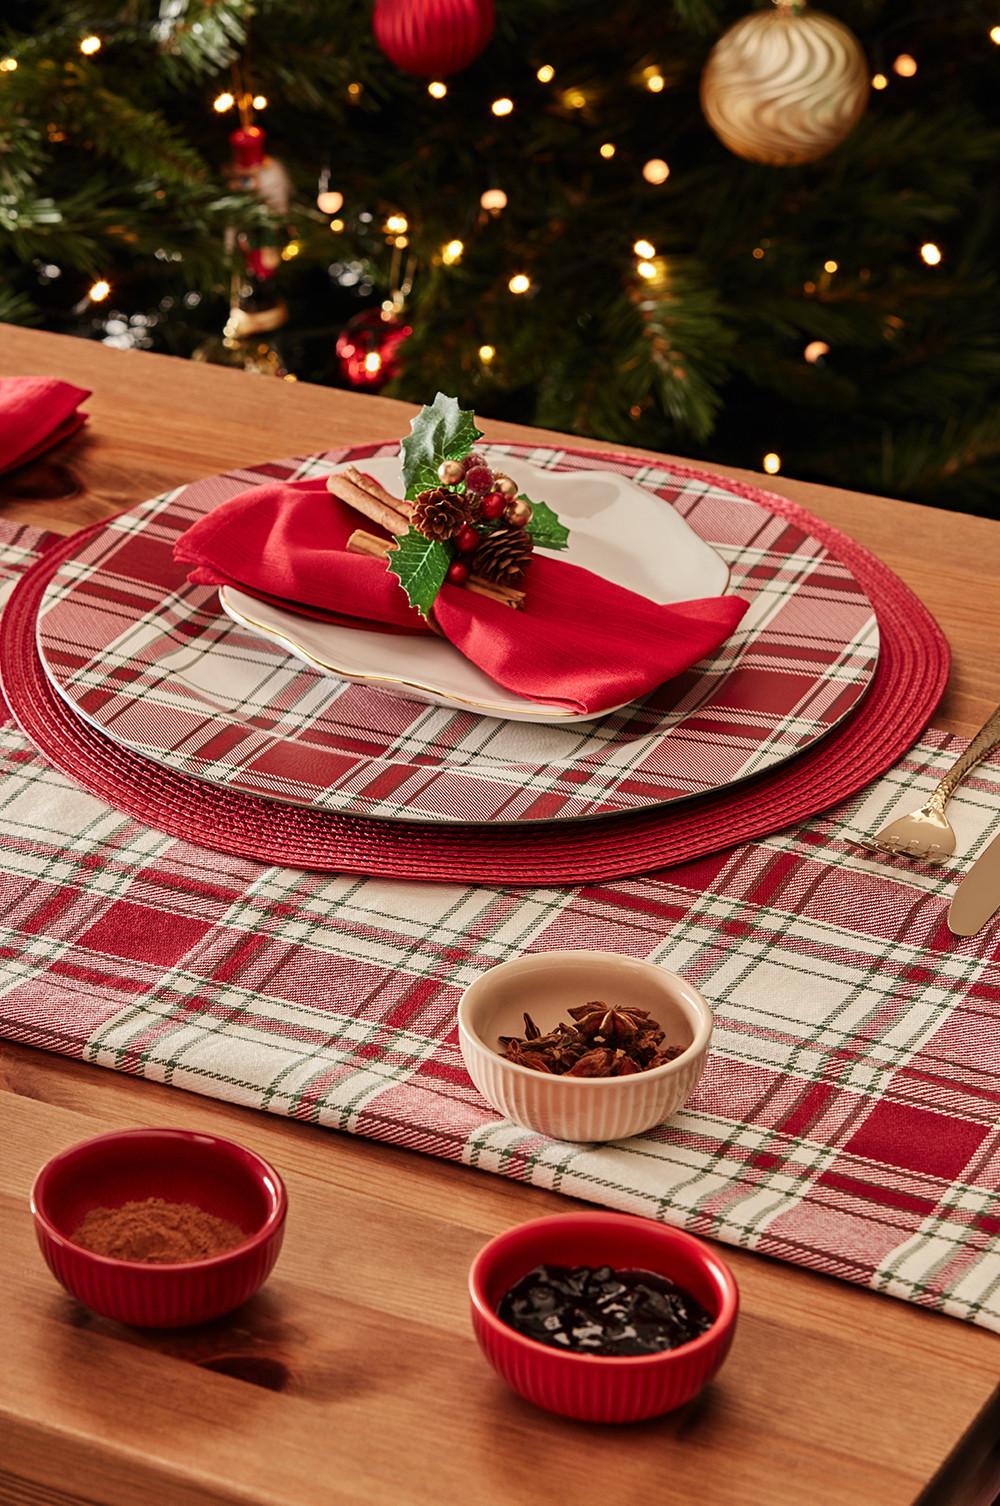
432, 38
368, 347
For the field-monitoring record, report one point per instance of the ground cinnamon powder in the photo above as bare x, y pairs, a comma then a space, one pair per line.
156, 1232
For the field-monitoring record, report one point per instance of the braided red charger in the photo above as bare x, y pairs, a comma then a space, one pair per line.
911, 676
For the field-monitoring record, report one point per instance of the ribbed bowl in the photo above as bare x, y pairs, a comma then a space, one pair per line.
546, 985
596, 1388
180, 1166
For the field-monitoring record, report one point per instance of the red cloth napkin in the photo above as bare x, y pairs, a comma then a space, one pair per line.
579, 642
35, 413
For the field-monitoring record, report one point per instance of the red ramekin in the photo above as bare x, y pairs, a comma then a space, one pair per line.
181, 1166
598, 1388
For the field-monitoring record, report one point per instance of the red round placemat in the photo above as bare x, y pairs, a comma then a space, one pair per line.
909, 682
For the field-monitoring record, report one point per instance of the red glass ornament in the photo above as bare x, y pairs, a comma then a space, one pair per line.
248, 146
494, 506
458, 573
368, 348
432, 38
467, 539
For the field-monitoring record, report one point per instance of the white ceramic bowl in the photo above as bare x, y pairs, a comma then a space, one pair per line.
547, 985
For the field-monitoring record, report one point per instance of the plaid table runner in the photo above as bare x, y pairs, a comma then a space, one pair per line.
847, 1119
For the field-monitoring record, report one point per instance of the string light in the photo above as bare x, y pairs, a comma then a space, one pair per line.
452, 253
815, 351
646, 269
89, 45
290, 251
995, 35
831, 266
574, 99
99, 290
260, 101
373, 362
880, 81
337, 226
493, 200
645, 249
607, 150
486, 353
437, 89
354, 91
519, 283
223, 102
396, 224
8, 65
771, 463
757, 253
545, 75
655, 83
656, 171
328, 201
930, 253
905, 65
401, 242
502, 106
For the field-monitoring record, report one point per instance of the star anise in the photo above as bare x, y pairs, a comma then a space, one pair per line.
596, 1063
604, 1041
610, 1022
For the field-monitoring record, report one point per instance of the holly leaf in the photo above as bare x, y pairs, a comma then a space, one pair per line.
441, 431
546, 531
420, 565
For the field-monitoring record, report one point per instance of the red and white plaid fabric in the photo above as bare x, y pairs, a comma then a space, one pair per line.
156, 666
848, 1117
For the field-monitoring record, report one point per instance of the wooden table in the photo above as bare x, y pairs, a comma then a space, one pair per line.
353, 1377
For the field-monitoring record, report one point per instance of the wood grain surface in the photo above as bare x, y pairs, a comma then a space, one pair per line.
353, 1379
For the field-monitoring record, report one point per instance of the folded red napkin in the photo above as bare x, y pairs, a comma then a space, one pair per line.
579, 642
36, 412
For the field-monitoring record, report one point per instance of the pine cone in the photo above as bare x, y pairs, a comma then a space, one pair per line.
438, 514
503, 556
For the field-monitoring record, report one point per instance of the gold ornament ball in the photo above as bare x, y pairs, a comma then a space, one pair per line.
451, 472
518, 512
785, 86
504, 485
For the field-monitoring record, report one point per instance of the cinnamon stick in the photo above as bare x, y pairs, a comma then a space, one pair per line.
376, 548
368, 504
369, 484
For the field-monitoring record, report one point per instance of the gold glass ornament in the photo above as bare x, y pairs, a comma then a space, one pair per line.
785, 86
518, 512
450, 472
504, 485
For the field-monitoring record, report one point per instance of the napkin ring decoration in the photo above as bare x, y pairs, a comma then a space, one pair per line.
460, 521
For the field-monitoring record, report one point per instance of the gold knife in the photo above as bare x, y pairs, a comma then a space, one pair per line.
977, 898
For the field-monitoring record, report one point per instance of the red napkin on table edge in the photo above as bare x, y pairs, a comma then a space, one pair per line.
36, 413
579, 642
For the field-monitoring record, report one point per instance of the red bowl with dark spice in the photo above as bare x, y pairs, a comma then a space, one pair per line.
600, 1388
179, 1166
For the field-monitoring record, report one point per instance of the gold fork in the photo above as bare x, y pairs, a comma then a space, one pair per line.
926, 835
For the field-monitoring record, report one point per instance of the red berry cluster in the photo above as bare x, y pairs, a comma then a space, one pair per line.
492, 498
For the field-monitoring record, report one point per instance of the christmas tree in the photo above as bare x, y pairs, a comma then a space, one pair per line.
557, 226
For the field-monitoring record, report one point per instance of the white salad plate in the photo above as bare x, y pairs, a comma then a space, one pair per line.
617, 529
